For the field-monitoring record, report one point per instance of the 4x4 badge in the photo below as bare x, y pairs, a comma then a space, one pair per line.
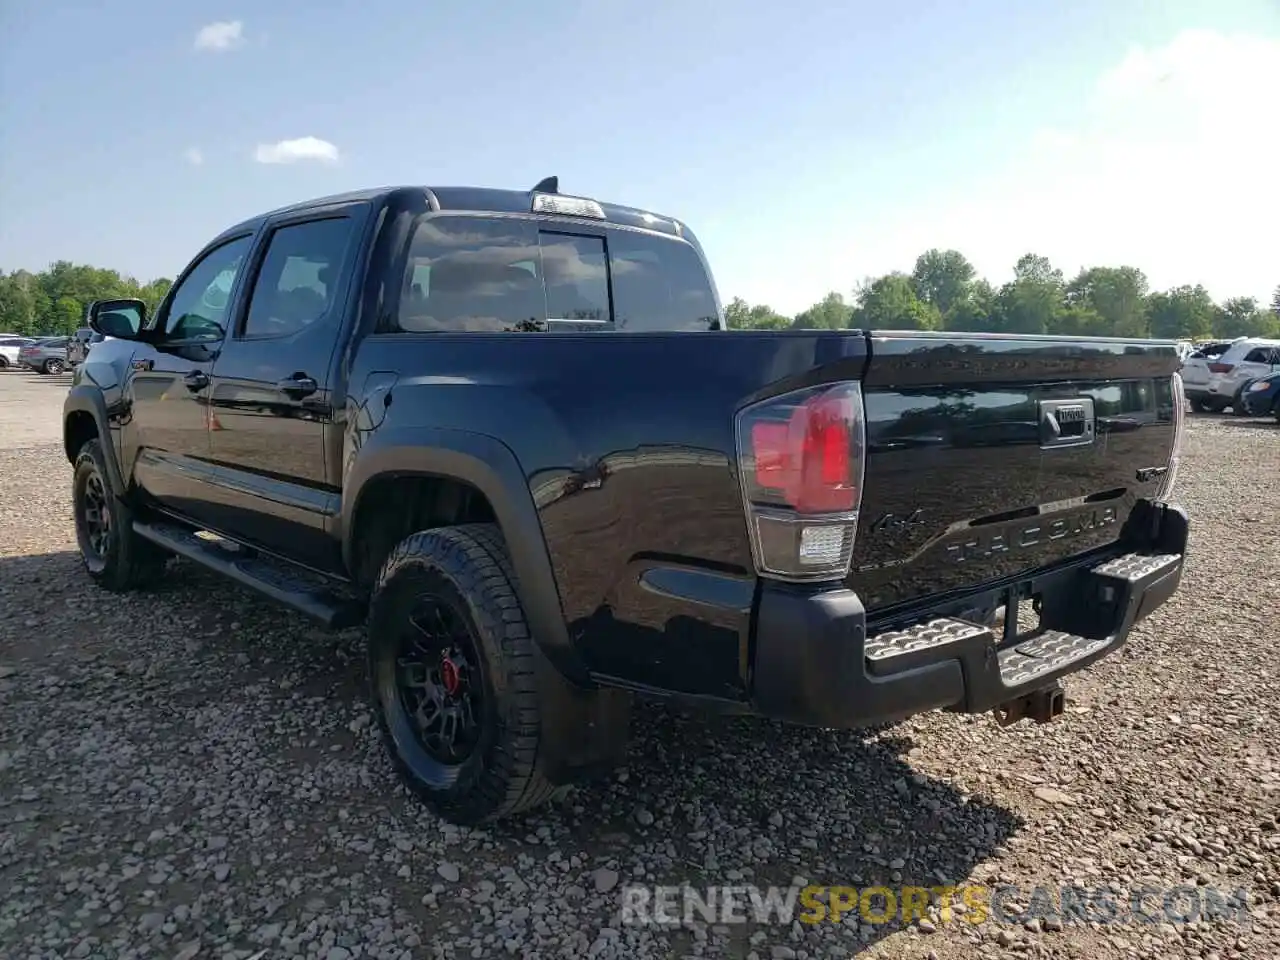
891, 521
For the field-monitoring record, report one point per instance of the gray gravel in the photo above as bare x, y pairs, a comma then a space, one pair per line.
192, 772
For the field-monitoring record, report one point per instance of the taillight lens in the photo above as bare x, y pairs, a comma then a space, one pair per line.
1221, 367
1179, 425
801, 460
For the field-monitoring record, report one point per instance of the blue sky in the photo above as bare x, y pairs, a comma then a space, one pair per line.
809, 144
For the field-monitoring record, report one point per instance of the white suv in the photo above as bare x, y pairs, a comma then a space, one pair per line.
1245, 360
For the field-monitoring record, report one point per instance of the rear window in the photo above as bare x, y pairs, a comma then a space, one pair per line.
1210, 351
492, 274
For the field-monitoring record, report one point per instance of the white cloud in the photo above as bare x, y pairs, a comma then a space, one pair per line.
1170, 166
294, 151
193, 156
220, 35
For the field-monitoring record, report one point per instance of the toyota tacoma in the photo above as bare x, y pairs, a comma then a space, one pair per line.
507, 432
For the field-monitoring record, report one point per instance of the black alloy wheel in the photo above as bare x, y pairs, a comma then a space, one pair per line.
438, 682
93, 519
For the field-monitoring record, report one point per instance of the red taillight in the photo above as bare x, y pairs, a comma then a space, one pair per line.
806, 460
801, 457
1221, 367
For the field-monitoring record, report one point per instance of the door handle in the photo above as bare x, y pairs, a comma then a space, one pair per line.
196, 380
298, 386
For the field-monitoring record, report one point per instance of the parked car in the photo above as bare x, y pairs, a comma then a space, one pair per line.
1262, 396
1244, 360
9, 347
47, 355
80, 343
1195, 373
508, 431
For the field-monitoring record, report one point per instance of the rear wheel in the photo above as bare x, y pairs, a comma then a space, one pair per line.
451, 667
4, 362
1205, 405
1275, 409
114, 556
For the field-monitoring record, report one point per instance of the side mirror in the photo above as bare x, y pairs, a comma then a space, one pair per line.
123, 319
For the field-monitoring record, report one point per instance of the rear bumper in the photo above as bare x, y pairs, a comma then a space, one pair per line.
817, 660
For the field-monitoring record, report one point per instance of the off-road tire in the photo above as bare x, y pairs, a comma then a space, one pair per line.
468, 566
128, 561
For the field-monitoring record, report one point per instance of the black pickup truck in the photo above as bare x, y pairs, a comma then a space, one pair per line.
508, 432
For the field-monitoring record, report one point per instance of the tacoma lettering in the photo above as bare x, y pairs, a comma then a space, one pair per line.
1029, 536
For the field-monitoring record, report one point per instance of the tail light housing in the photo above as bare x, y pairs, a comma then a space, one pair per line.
1179, 426
1221, 367
801, 459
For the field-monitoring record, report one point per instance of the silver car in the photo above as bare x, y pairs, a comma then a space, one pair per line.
48, 355
10, 344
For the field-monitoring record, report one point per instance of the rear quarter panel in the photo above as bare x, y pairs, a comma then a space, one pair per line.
626, 444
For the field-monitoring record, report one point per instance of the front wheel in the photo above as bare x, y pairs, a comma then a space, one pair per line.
451, 667
114, 556
1205, 405
54, 366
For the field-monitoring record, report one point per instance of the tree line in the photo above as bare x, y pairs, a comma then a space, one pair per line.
53, 301
943, 292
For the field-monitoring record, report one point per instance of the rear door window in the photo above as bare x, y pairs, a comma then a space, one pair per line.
494, 274
473, 274
299, 277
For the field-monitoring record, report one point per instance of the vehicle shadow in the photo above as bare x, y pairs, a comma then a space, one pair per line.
714, 800
33, 376
1253, 422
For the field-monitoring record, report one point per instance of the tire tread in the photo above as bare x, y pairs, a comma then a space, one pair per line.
475, 557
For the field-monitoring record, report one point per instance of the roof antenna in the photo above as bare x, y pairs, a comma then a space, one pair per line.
547, 185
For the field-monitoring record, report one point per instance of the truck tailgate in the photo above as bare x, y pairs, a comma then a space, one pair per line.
990, 456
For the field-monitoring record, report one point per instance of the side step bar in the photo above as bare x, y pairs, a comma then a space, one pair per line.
303, 592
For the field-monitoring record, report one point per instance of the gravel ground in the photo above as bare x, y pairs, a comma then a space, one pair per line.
192, 772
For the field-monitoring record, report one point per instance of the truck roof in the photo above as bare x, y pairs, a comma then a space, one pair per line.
472, 199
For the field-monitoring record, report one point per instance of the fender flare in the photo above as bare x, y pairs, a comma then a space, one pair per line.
491, 467
86, 399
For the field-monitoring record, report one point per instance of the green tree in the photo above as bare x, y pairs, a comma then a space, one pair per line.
19, 302
975, 311
829, 313
942, 278
1110, 301
54, 300
1243, 317
890, 303
1183, 312
1033, 301
740, 315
